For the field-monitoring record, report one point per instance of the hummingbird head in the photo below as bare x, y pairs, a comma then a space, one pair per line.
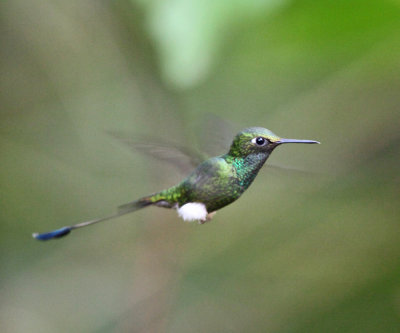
258, 140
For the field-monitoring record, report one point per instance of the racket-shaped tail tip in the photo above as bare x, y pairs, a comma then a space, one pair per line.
52, 234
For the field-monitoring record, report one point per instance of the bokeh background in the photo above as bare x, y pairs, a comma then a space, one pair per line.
315, 249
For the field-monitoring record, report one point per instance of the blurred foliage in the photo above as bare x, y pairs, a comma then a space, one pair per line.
314, 251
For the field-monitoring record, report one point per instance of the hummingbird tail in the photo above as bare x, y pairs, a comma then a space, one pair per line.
122, 210
160, 199
135, 205
58, 233
52, 234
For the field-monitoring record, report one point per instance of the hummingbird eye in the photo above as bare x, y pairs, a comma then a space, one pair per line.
259, 141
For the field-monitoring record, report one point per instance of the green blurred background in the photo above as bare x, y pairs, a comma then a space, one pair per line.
315, 251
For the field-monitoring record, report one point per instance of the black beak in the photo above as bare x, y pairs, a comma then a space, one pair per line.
295, 141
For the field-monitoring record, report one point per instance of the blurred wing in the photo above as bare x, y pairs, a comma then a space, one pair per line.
215, 134
294, 170
184, 158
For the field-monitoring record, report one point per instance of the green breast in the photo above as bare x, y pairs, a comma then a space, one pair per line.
219, 181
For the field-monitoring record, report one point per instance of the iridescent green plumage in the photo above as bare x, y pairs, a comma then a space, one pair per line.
220, 180
214, 184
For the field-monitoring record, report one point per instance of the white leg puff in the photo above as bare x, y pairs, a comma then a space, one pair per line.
193, 211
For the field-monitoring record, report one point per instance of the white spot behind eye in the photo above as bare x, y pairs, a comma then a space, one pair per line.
259, 141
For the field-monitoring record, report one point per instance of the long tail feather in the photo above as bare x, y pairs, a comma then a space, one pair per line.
134, 205
52, 234
122, 210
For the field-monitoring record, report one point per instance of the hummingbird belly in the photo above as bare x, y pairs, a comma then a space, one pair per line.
213, 183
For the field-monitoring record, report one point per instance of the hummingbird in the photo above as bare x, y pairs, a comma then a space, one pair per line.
214, 184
